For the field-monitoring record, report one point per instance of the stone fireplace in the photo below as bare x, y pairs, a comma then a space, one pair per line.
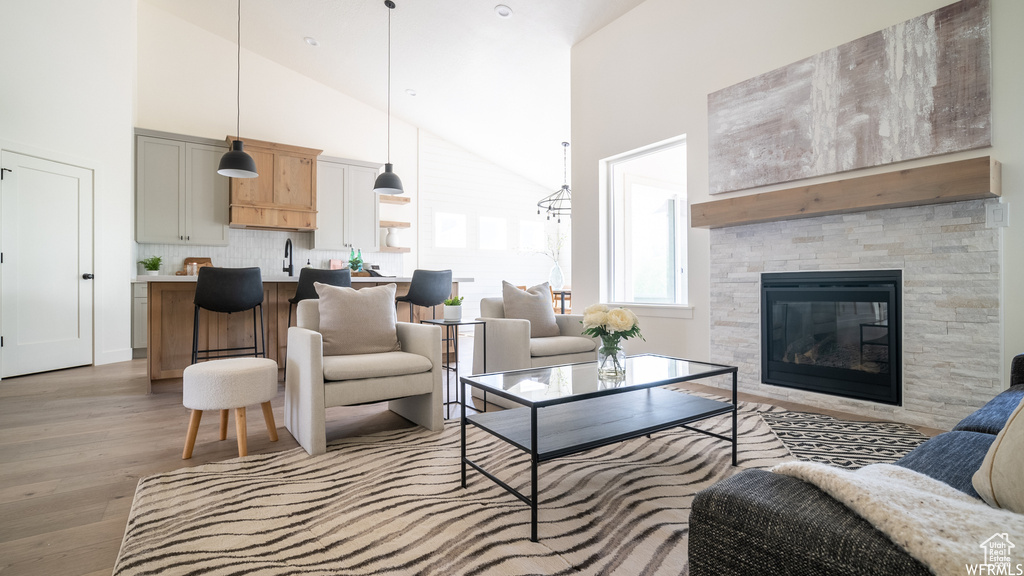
949, 263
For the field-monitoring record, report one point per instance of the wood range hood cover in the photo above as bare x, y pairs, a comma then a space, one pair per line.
283, 197
972, 179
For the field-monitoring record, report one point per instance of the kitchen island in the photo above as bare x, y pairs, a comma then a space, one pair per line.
171, 309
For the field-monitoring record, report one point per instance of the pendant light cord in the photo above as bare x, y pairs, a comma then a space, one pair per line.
565, 156
238, 75
390, 8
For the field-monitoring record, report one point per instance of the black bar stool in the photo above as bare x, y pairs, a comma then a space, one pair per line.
305, 289
228, 290
427, 288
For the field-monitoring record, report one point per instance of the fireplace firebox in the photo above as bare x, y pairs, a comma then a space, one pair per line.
833, 332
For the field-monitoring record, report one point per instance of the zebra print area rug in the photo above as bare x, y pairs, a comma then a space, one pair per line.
842, 443
391, 503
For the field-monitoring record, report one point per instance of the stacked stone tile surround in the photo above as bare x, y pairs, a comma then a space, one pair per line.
951, 300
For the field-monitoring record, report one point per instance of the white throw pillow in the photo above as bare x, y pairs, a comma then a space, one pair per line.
999, 481
534, 305
357, 321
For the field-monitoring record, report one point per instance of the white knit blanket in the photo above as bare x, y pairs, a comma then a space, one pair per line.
938, 525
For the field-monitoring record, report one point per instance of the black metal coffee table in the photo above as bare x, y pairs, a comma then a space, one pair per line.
567, 410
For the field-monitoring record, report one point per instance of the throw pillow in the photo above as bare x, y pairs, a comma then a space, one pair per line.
357, 321
998, 481
533, 304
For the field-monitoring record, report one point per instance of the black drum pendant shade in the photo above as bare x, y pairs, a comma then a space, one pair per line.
388, 182
236, 163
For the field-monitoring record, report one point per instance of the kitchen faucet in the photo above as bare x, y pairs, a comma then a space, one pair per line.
290, 269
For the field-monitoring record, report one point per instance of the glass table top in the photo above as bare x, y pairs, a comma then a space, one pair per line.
538, 385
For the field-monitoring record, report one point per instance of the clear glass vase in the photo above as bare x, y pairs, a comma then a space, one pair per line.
611, 360
556, 280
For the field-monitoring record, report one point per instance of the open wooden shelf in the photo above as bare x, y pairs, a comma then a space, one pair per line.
399, 249
394, 199
973, 179
394, 224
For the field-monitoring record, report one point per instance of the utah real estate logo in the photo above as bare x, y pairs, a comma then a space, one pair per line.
998, 559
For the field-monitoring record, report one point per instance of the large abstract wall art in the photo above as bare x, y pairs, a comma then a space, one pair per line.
920, 88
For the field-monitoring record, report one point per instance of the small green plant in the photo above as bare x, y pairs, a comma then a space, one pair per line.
456, 301
151, 263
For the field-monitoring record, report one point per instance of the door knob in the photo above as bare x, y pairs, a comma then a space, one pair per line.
87, 276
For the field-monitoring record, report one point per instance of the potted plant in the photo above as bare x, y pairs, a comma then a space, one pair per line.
152, 265
453, 309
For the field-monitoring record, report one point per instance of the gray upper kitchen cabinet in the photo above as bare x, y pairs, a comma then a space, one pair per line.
180, 198
348, 213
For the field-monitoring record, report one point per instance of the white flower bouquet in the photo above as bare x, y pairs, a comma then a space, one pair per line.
611, 326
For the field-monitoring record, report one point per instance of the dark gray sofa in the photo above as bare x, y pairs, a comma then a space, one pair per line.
758, 522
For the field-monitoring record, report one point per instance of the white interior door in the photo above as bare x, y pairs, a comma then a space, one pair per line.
46, 291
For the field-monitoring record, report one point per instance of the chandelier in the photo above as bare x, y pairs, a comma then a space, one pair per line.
559, 202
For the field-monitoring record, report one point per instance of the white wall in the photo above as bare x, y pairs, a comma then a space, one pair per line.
67, 95
186, 85
456, 181
645, 78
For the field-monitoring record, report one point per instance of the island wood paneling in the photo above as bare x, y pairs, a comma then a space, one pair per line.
973, 179
171, 312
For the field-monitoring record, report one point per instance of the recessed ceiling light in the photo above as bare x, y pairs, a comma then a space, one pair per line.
311, 41
410, 91
503, 11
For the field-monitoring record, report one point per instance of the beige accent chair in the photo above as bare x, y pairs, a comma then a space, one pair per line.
409, 379
509, 346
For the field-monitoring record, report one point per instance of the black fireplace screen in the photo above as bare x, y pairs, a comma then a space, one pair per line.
831, 332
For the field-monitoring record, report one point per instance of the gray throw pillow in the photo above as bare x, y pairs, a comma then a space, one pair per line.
357, 321
534, 305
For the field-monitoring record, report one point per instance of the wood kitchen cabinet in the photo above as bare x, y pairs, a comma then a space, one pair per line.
180, 198
349, 208
284, 195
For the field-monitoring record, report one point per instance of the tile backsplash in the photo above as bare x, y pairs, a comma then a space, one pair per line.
263, 248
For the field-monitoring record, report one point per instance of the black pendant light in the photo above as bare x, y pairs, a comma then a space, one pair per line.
388, 182
559, 202
236, 163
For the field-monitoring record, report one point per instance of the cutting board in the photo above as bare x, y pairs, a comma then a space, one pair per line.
201, 262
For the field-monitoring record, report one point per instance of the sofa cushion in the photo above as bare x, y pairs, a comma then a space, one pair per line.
359, 366
991, 417
557, 345
533, 304
952, 457
998, 481
357, 321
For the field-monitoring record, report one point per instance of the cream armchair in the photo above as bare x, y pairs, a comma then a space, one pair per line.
409, 379
509, 346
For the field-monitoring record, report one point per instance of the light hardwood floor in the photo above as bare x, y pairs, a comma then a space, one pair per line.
74, 443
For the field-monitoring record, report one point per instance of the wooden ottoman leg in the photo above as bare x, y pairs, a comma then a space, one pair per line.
268, 415
240, 431
223, 424
190, 437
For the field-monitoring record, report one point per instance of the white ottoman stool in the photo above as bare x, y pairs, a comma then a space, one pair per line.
225, 384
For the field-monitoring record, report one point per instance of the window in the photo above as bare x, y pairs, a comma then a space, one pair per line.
449, 230
531, 236
646, 211
493, 233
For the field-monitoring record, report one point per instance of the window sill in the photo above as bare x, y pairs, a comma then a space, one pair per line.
657, 310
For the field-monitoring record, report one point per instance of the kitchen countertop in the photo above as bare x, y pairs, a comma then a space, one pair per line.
357, 280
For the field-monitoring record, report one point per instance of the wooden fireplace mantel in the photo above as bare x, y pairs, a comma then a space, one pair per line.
973, 179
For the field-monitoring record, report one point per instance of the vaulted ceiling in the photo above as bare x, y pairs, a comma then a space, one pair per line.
498, 87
